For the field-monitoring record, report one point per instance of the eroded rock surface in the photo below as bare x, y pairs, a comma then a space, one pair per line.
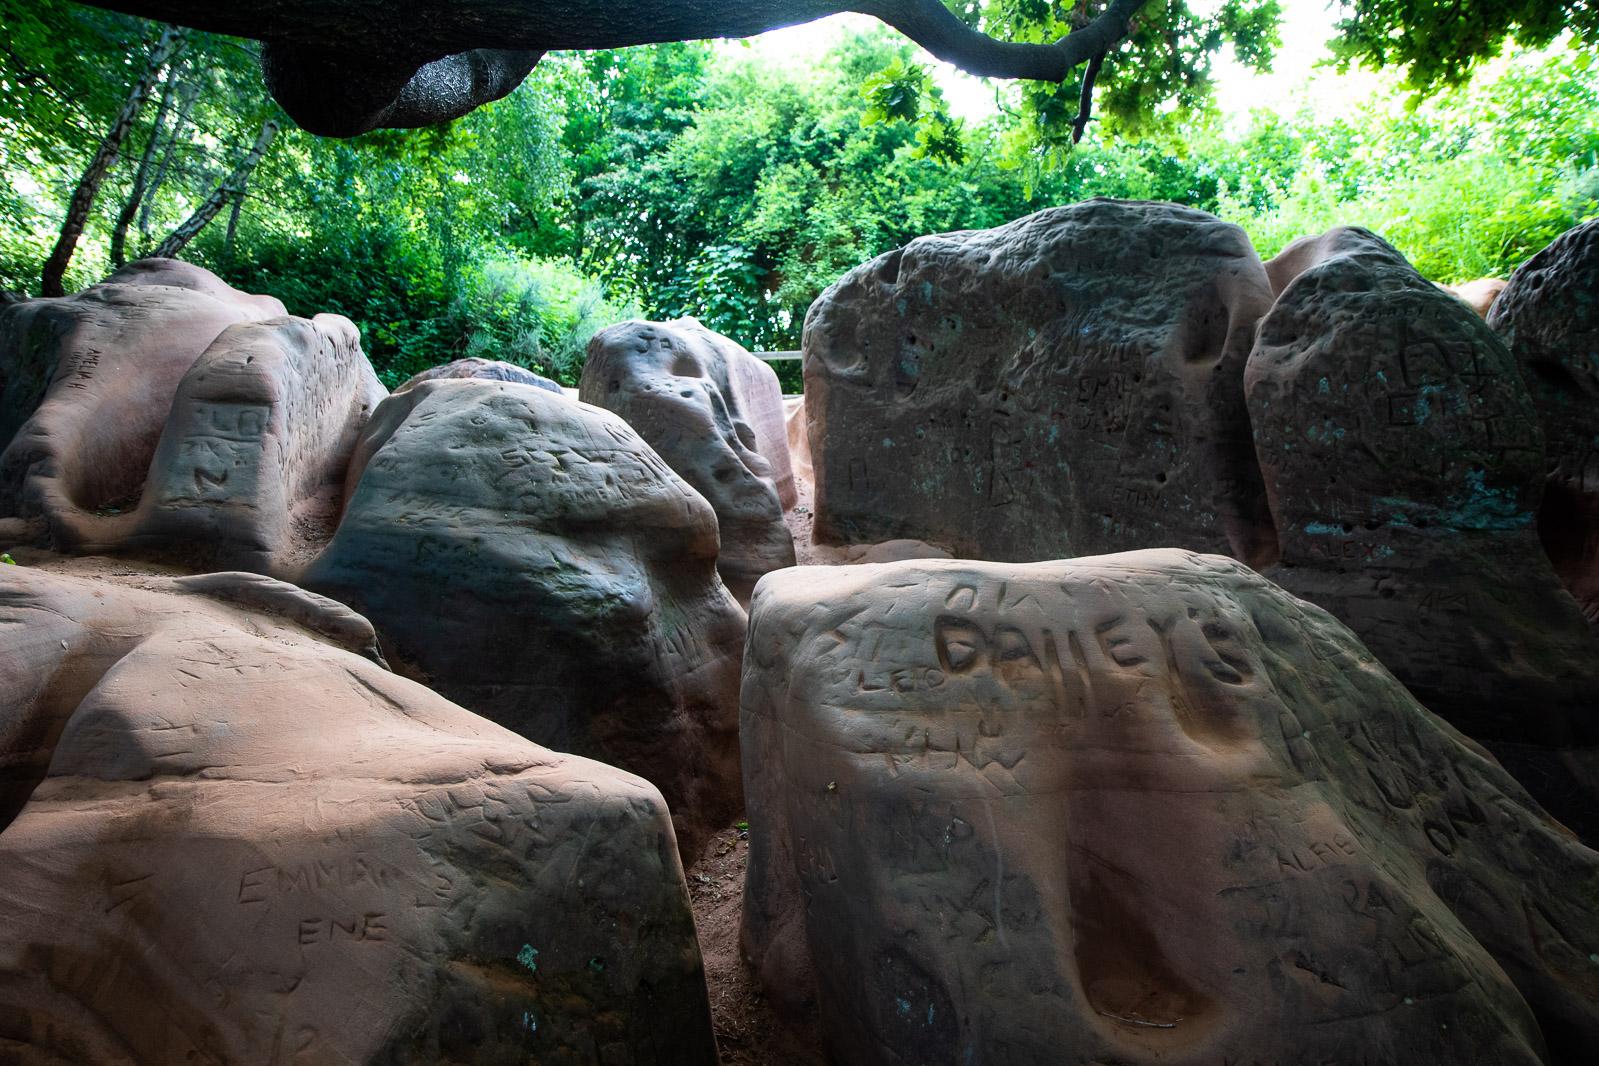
546, 569
89, 381
1068, 383
249, 465
487, 369
714, 412
1549, 319
250, 846
1142, 808
1404, 464
253, 458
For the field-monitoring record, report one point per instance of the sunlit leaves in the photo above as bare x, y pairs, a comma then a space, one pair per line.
895, 92
904, 92
1439, 43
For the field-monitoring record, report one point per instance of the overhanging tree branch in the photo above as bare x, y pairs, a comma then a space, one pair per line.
933, 26
1085, 100
342, 67
326, 95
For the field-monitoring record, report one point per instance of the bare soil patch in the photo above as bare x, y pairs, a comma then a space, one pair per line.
748, 1029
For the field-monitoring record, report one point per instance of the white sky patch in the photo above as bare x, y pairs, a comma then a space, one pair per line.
1296, 81
967, 97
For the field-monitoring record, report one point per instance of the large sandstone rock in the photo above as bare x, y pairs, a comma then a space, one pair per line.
1549, 319
1404, 464
89, 379
254, 847
487, 369
249, 468
252, 463
1068, 383
1137, 809
714, 412
546, 569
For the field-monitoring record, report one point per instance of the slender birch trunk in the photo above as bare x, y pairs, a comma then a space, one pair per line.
119, 233
55, 268
231, 186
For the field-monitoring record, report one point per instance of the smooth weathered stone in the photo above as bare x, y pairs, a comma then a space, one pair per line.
89, 380
1549, 319
175, 273
547, 570
759, 396
1404, 464
487, 369
799, 442
1478, 295
714, 412
330, 620
253, 847
1068, 383
1137, 809
249, 473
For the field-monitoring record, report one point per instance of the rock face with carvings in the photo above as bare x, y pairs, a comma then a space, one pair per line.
249, 465
252, 461
88, 383
225, 840
1145, 807
544, 568
1404, 464
714, 412
1068, 383
487, 369
1549, 319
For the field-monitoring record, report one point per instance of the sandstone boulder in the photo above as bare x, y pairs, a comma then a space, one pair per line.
1068, 383
714, 412
1549, 319
487, 369
1404, 463
543, 567
88, 382
1137, 809
249, 468
799, 442
252, 462
254, 847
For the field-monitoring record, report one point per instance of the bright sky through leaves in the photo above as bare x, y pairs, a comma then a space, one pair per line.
1307, 25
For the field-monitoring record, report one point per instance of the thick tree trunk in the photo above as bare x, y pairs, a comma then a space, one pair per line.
231, 186
341, 68
189, 95
933, 26
55, 268
119, 233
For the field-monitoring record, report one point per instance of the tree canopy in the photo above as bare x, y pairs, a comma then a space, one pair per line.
706, 179
1439, 44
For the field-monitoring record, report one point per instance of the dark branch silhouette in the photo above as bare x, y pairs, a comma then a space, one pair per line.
1085, 101
343, 67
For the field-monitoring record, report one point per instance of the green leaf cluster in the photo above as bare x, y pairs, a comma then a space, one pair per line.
1439, 44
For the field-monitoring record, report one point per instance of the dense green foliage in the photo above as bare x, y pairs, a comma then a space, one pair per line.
1440, 44
705, 180
1468, 185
